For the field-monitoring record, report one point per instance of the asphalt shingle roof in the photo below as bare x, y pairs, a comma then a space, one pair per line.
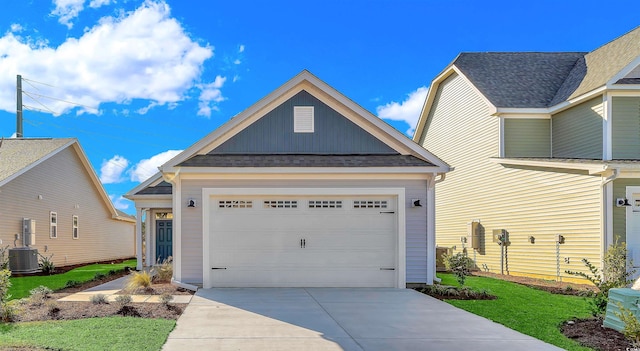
287, 160
518, 79
17, 154
163, 188
544, 79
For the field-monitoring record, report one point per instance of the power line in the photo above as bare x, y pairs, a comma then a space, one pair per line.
61, 100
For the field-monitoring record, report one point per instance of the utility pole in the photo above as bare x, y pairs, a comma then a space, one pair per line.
19, 107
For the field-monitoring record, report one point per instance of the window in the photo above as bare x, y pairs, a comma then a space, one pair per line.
281, 204
325, 204
75, 227
235, 204
370, 204
53, 225
303, 119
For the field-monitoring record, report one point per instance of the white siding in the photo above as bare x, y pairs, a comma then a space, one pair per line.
416, 236
524, 201
64, 183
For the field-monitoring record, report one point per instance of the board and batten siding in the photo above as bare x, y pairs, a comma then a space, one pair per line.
416, 225
333, 133
626, 128
527, 137
577, 132
620, 213
525, 202
63, 183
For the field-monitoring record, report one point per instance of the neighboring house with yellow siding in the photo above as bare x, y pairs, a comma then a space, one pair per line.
52, 182
542, 145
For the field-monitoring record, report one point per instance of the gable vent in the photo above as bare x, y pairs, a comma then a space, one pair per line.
303, 119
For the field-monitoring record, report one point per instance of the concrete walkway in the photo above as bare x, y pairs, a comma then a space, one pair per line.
336, 319
111, 288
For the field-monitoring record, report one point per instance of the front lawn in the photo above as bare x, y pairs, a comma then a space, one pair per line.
20, 286
110, 333
530, 311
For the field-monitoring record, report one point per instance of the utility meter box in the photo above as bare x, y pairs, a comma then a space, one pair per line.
28, 231
474, 234
499, 236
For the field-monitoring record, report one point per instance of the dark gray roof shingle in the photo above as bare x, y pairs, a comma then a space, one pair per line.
276, 160
163, 188
518, 79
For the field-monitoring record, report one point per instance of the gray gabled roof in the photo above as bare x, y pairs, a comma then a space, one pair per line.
18, 154
517, 79
288, 160
545, 79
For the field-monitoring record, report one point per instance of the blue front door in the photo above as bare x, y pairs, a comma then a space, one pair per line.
164, 240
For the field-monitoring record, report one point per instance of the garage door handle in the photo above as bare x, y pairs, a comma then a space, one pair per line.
303, 243
218, 267
387, 211
387, 269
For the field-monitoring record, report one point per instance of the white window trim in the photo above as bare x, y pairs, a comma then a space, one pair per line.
53, 225
297, 126
75, 231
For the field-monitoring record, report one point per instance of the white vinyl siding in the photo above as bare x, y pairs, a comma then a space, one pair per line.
527, 137
525, 202
416, 226
626, 128
53, 225
64, 183
577, 132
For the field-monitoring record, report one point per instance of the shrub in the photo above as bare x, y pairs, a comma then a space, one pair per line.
631, 324
46, 265
123, 300
139, 280
98, 299
4, 257
39, 294
99, 276
614, 275
166, 298
7, 311
71, 284
164, 270
459, 264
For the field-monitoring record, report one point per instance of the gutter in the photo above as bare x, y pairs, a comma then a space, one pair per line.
614, 176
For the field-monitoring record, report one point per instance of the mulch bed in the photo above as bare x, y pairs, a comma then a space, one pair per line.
591, 333
551, 286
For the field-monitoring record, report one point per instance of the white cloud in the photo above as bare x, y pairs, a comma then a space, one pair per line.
111, 170
16, 28
241, 49
148, 167
237, 62
120, 202
142, 54
210, 96
13, 136
98, 3
67, 10
407, 110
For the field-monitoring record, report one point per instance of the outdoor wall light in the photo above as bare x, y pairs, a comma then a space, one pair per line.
622, 201
191, 203
415, 203
532, 239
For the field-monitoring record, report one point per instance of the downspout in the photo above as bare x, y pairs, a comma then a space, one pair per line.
607, 216
614, 176
431, 227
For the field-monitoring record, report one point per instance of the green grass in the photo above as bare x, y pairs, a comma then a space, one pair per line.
20, 286
110, 333
530, 311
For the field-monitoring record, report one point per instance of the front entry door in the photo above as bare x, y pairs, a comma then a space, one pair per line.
164, 240
633, 224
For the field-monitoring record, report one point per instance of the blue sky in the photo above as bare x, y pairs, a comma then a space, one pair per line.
137, 81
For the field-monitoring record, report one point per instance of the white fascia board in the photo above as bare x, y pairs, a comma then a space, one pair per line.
156, 178
312, 170
529, 113
592, 168
624, 72
632, 90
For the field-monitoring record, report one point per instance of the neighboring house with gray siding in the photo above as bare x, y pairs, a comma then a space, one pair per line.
304, 188
542, 144
52, 182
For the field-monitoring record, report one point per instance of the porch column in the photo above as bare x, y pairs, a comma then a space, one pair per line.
139, 238
147, 238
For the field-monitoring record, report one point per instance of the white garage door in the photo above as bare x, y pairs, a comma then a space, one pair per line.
303, 241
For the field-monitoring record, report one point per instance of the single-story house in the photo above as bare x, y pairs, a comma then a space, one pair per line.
50, 185
305, 188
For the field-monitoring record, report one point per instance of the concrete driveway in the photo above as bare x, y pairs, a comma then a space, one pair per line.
336, 319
